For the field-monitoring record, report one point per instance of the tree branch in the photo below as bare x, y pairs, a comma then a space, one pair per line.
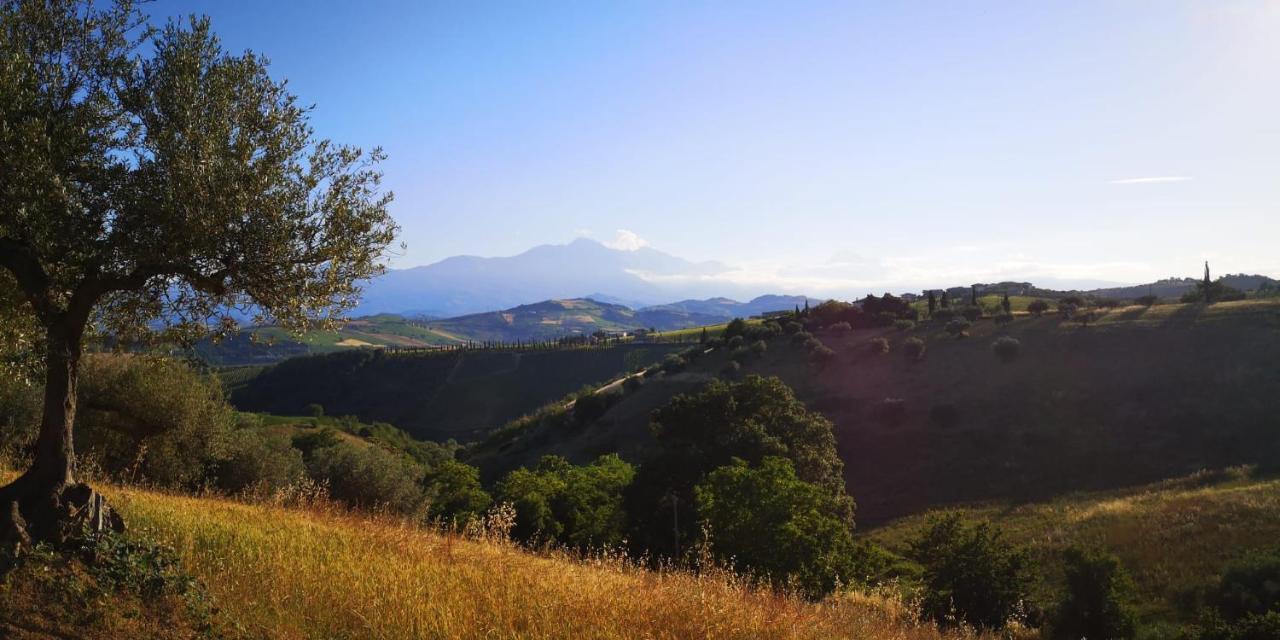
26, 269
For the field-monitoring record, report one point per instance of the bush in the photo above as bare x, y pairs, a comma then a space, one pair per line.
770, 524
972, 314
368, 477
759, 347
258, 462
913, 348
1038, 307
741, 354
943, 315
878, 346
590, 406
904, 325
840, 328
1096, 601
736, 341
1006, 348
792, 328
1146, 301
313, 439
969, 573
801, 337
958, 327
821, 355
1250, 586
152, 419
314, 410
454, 494
1003, 319
731, 369
734, 329
577, 506
673, 364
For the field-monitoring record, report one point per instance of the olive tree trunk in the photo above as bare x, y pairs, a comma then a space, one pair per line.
46, 503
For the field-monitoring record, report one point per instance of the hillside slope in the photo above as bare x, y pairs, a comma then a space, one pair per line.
1141, 395
283, 573
1174, 537
437, 395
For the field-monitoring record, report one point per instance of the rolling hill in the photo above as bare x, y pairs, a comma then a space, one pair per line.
546, 320
1141, 395
438, 396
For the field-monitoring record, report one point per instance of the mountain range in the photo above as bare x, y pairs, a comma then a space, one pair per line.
583, 268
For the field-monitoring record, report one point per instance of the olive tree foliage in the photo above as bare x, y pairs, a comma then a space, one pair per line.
149, 178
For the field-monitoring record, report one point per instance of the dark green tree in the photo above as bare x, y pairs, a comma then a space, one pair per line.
1096, 603
147, 175
946, 300
933, 303
454, 494
973, 295
970, 574
1005, 305
771, 524
580, 506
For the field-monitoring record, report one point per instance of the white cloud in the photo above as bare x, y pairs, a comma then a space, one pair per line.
626, 240
1151, 180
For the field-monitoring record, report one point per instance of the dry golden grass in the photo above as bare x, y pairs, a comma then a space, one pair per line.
286, 573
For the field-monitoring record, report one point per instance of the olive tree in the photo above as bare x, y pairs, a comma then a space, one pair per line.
148, 179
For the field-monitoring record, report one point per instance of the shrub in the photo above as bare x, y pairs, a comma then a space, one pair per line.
943, 315
368, 477
580, 506
884, 318
454, 494
972, 314
759, 347
1006, 348
769, 523
944, 415
878, 346
839, 328
673, 363
821, 355
735, 328
741, 354
792, 328
913, 349
312, 439
152, 419
314, 410
969, 573
731, 369
590, 406
904, 325
736, 341
958, 327
258, 462
1096, 601
1249, 586
1146, 301
801, 337
1038, 307
1003, 319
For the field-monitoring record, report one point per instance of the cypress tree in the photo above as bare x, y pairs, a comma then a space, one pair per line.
933, 303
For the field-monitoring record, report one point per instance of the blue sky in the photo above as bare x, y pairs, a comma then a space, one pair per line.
824, 147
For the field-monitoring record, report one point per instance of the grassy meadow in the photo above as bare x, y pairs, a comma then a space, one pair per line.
289, 573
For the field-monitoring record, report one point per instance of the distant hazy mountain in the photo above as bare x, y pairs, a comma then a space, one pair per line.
468, 284
726, 308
